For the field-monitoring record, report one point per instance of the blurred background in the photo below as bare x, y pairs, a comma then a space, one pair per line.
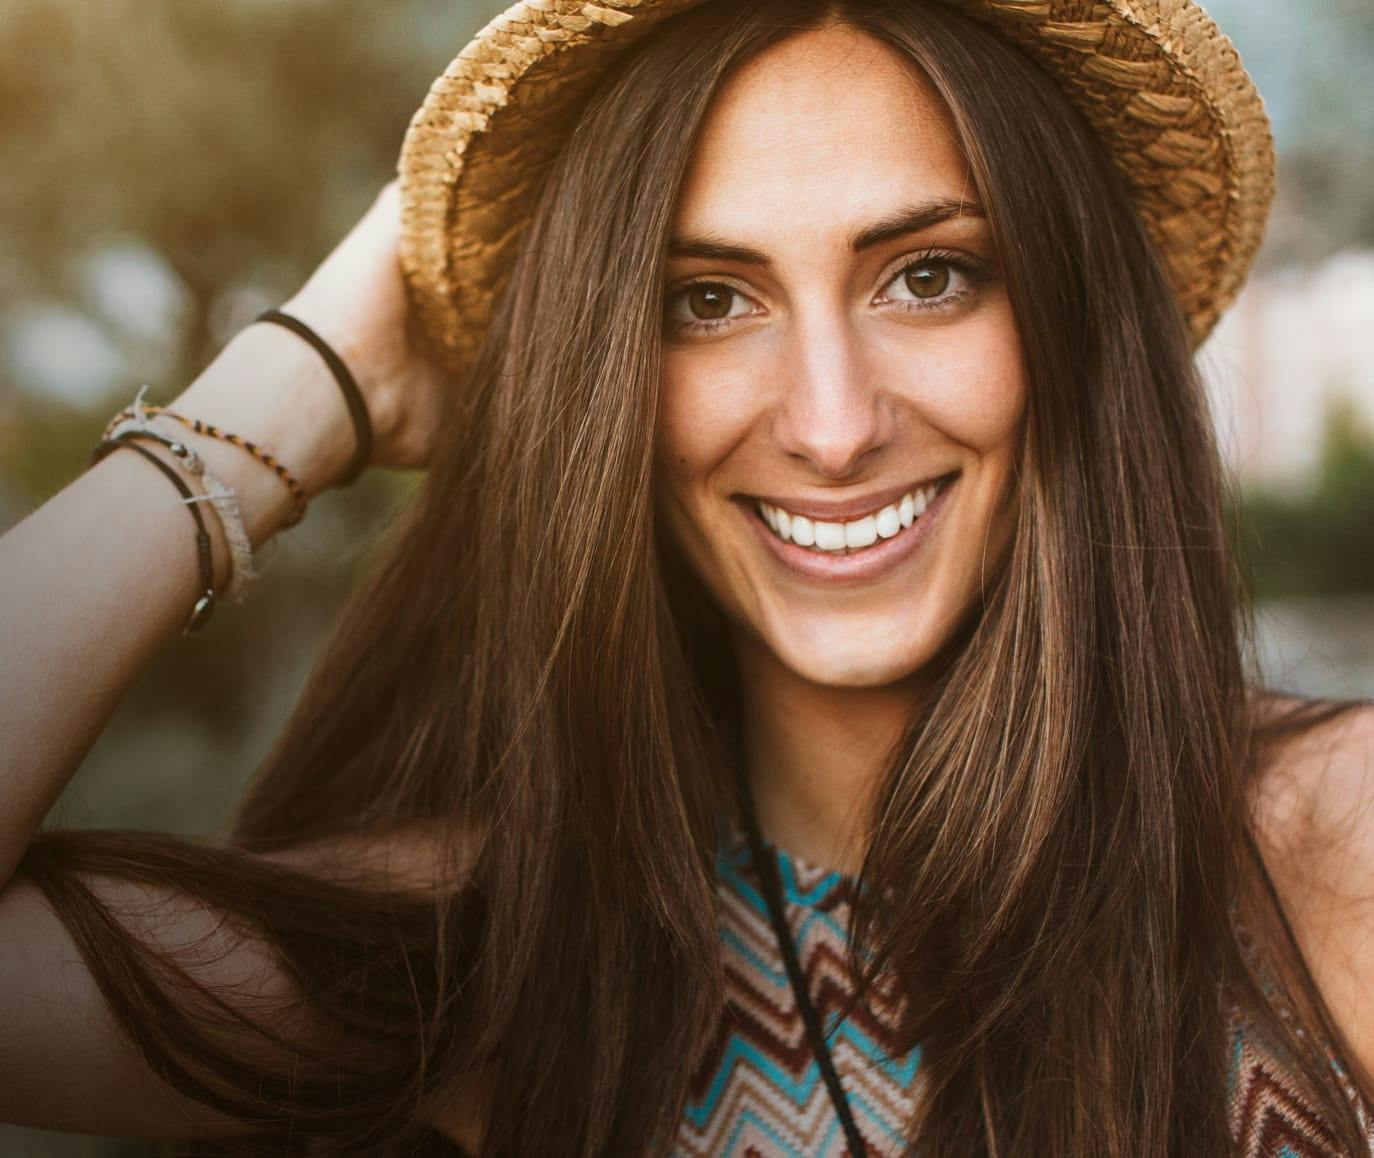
173, 167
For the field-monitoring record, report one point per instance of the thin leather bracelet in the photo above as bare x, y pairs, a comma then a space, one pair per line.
357, 408
205, 604
183, 451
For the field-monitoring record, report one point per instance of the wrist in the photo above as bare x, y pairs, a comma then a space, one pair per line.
349, 390
272, 388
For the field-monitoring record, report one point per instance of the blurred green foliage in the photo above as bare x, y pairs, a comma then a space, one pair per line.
1317, 540
1312, 62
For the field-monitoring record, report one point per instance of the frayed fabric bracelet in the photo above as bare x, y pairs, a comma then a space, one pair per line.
204, 605
218, 494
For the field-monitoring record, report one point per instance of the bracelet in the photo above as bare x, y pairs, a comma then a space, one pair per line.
357, 408
205, 603
212, 431
220, 496
192, 461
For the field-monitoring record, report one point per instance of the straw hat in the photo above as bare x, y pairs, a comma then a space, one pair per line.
1163, 88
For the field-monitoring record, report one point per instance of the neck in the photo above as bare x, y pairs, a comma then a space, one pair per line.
814, 754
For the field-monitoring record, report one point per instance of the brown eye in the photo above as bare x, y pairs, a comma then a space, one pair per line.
927, 279
709, 302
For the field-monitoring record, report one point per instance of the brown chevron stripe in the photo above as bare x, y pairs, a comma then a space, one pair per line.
1268, 1110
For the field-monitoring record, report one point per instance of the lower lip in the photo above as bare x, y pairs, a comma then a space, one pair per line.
861, 566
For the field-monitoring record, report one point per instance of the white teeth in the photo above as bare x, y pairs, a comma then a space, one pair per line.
830, 536
863, 533
836, 537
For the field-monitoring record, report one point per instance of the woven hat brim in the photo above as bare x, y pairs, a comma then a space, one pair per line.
1157, 80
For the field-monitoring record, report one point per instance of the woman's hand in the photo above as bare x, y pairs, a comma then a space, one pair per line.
356, 301
269, 386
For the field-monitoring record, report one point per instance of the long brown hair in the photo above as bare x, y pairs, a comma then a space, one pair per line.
530, 677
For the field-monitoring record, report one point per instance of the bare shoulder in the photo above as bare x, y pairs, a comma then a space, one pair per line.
1315, 802
1314, 819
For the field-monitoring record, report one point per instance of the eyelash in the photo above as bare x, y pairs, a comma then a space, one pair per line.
971, 270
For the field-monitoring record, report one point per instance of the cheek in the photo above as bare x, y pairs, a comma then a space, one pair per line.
977, 398
702, 415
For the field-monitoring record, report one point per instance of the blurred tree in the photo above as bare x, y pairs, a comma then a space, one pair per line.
239, 139
1321, 541
1312, 63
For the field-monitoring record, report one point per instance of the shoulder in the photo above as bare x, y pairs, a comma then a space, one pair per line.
1315, 795
1314, 820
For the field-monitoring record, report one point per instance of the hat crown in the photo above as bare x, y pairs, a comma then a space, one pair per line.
1156, 80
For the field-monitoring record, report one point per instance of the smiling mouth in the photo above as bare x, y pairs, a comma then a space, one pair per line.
854, 536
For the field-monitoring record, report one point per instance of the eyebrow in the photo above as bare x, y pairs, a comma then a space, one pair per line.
909, 219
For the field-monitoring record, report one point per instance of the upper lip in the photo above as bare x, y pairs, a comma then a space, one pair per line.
840, 510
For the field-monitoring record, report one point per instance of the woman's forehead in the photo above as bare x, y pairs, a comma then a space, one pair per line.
828, 122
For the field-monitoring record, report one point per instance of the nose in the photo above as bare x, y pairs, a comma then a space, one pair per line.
833, 410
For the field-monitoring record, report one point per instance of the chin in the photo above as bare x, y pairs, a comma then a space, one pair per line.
835, 657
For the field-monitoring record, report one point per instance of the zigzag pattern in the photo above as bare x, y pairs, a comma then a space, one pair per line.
758, 1092
1269, 1116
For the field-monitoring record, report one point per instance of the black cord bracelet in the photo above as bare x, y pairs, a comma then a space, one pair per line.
357, 408
205, 604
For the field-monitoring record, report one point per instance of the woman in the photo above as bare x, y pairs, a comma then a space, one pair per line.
649, 670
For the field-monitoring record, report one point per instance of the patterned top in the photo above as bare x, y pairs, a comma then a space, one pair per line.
759, 1092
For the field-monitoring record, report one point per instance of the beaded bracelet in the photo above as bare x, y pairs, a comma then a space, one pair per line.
200, 427
205, 603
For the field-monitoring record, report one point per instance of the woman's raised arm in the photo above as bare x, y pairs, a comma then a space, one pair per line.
92, 584
101, 576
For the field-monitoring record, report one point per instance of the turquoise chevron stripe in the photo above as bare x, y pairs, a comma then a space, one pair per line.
740, 1052
900, 1069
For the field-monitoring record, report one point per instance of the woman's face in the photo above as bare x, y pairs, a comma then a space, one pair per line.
838, 345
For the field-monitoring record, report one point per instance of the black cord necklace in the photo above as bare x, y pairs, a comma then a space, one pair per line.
766, 865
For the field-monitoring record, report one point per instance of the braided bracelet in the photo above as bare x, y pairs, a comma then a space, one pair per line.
211, 431
205, 603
